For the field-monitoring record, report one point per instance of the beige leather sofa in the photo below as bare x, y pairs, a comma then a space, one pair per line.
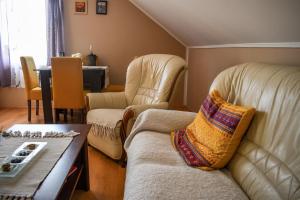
266, 165
152, 81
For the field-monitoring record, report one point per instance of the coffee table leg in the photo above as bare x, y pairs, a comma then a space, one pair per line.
46, 95
84, 179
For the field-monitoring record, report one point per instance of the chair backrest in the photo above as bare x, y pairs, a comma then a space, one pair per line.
30, 76
151, 78
67, 83
267, 163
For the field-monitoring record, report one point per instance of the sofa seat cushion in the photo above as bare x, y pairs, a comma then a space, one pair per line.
156, 171
105, 131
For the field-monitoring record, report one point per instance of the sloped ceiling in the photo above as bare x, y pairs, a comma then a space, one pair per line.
216, 22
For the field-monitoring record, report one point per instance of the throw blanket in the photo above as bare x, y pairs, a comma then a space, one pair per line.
163, 121
156, 171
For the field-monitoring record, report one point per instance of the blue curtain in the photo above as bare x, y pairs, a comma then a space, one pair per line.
55, 29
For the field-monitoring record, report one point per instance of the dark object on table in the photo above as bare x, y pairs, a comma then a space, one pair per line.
6, 167
101, 7
31, 146
91, 60
6, 133
23, 153
16, 160
61, 54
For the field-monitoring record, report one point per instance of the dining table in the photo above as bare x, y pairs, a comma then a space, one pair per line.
94, 80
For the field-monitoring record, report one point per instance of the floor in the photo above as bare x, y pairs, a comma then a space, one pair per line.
106, 176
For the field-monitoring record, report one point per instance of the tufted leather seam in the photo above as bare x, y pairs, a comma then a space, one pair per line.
280, 107
248, 172
142, 64
296, 190
268, 154
291, 183
262, 88
165, 68
255, 167
174, 83
144, 95
250, 186
290, 188
281, 164
139, 85
147, 88
266, 176
251, 81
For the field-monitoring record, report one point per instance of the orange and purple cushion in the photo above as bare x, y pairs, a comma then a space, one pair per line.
211, 139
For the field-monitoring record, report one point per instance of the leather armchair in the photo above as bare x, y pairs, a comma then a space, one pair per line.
152, 81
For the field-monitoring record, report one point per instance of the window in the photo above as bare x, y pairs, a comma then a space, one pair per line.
25, 22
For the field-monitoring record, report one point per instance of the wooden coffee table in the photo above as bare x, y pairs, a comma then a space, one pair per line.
57, 184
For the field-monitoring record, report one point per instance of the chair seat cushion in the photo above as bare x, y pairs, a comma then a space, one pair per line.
105, 132
156, 171
36, 93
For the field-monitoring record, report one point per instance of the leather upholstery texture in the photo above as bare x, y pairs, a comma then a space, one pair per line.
67, 83
150, 80
267, 163
112, 100
33, 91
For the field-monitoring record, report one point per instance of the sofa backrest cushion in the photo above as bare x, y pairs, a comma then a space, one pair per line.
267, 163
150, 78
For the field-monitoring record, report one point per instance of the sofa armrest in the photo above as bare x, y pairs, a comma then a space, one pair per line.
113, 100
163, 121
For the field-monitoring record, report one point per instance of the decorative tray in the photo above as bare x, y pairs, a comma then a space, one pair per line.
12, 165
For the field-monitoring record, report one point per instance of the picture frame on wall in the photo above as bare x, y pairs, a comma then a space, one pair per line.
101, 7
81, 7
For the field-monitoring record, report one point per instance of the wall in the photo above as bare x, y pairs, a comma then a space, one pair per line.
13, 97
206, 63
119, 36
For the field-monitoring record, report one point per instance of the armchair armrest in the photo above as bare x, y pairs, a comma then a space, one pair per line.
138, 109
114, 100
132, 112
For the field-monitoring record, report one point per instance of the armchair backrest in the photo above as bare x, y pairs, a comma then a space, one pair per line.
151, 78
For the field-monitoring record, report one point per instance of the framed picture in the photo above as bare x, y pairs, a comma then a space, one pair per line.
81, 7
101, 7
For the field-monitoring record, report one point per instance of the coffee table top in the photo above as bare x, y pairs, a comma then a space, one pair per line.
54, 181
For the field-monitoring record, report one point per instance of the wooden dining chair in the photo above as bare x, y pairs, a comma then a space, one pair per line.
67, 85
32, 88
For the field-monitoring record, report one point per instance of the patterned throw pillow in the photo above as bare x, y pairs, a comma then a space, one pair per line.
211, 139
